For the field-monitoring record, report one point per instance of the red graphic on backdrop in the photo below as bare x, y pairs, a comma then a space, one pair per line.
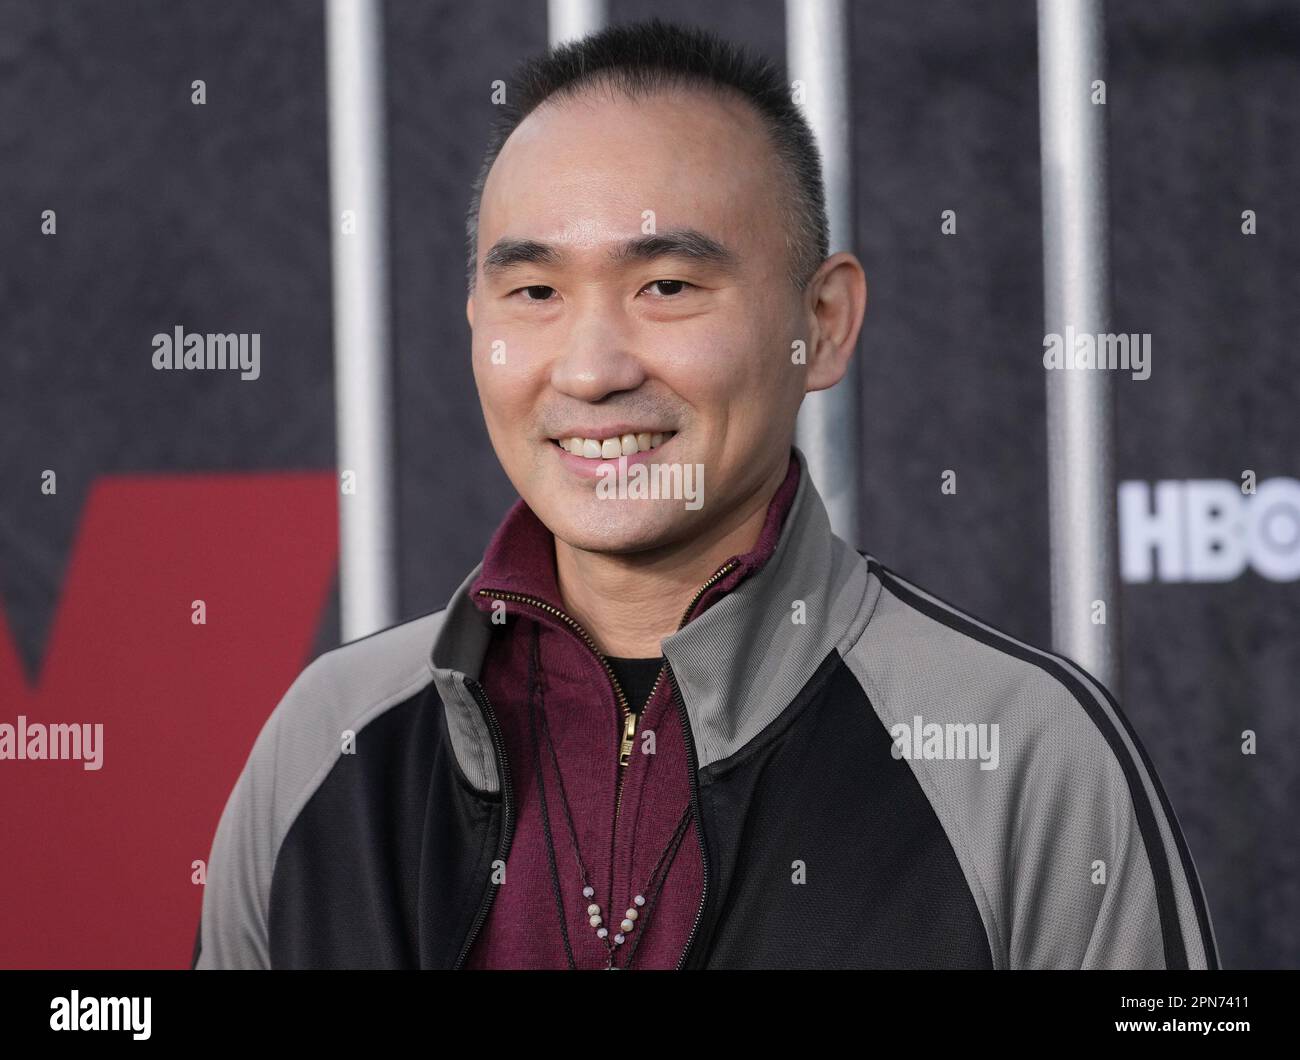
95, 865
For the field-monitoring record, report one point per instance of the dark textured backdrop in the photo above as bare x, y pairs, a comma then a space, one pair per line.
217, 218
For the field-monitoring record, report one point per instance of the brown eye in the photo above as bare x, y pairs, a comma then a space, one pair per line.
539, 289
677, 287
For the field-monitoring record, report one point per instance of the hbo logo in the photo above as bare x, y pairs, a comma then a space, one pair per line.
1207, 530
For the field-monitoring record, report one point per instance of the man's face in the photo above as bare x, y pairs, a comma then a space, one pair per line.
578, 343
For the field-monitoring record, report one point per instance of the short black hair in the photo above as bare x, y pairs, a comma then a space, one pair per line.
641, 58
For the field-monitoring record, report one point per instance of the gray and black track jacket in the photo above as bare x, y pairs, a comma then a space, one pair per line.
878, 780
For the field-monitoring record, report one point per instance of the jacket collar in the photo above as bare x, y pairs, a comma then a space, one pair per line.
740, 660
744, 660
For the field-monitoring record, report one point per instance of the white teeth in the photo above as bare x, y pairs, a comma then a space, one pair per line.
611, 448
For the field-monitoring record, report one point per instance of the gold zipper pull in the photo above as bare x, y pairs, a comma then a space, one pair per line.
629, 734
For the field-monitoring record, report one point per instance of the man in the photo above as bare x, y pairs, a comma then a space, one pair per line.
671, 720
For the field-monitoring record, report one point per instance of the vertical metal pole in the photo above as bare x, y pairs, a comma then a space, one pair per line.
817, 42
362, 372
1076, 289
570, 19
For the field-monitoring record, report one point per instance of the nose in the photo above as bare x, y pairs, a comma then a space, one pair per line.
596, 358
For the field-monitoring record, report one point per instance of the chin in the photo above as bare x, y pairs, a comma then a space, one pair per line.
635, 528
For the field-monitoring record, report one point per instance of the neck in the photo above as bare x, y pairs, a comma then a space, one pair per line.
631, 602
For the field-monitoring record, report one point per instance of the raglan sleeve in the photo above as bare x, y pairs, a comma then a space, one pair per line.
1103, 877
232, 930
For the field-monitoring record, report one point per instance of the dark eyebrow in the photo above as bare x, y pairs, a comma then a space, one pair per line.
684, 242
506, 253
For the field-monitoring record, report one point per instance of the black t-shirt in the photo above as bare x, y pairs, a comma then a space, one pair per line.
637, 676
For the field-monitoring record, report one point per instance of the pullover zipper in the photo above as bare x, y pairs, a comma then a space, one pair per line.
625, 747
629, 716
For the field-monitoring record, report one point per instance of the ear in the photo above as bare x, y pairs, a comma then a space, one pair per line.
469, 311
837, 302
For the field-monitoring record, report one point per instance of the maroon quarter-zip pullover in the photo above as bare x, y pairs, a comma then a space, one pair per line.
587, 725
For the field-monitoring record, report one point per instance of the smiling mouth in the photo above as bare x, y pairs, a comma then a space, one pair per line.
613, 447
